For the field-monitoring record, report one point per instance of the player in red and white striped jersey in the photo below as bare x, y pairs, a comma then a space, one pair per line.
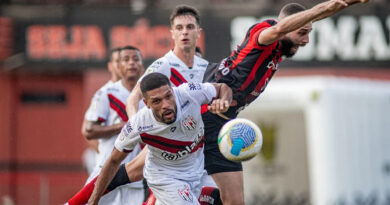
172, 126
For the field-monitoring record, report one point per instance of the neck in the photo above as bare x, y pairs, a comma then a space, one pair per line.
129, 83
186, 56
114, 78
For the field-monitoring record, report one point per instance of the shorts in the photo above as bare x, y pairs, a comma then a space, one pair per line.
174, 191
214, 161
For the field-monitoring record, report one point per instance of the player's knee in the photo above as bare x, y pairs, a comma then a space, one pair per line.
232, 197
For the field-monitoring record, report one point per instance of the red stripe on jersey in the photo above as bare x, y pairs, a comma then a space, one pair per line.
118, 106
170, 145
250, 45
176, 78
259, 61
101, 119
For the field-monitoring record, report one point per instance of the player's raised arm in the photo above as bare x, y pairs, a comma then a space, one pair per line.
223, 99
132, 102
291, 23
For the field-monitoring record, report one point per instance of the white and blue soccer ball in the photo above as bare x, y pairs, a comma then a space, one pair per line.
240, 139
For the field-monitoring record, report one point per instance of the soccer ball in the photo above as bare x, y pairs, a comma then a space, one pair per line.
240, 140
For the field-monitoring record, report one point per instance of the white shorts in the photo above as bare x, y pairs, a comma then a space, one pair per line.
173, 191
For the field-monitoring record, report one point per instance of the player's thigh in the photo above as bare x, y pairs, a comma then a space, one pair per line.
176, 192
231, 185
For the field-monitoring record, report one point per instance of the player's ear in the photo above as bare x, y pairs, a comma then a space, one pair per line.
146, 102
199, 32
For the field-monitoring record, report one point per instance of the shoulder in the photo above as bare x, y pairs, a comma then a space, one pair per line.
200, 62
262, 25
114, 88
158, 65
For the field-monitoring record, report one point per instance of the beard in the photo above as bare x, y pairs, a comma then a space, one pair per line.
167, 121
287, 44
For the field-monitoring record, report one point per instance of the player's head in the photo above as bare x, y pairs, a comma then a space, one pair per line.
295, 39
185, 27
159, 97
131, 65
113, 63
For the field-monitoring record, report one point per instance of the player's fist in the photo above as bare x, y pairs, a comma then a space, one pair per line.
349, 2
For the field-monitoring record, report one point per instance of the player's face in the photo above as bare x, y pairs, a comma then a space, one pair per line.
130, 65
297, 38
185, 32
162, 102
114, 64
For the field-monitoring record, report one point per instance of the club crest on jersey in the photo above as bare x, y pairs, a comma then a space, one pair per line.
189, 123
185, 193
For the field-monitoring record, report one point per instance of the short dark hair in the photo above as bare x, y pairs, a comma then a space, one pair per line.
152, 81
182, 10
112, 51
290, 9
131, 48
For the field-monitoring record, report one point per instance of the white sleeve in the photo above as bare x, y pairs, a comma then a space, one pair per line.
99, 109
203, 93
129, 136
161, 65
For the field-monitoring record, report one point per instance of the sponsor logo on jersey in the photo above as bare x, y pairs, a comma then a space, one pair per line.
185, 104
185, 193
189, 123
140, 128
187, 150
156, 64
194, 86
202, 65
174, 64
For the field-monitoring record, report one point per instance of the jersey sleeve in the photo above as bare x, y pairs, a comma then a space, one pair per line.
203, 93
260, 27
129, 136
99, 107
160, 65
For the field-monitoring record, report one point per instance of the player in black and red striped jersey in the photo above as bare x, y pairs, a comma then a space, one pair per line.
247, 71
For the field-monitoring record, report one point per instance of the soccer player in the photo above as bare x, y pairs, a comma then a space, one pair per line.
91, 152
247, 71
108, 116
172, 127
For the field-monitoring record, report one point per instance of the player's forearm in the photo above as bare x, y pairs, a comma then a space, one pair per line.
133, 101
95, 131
105, 176
225, 93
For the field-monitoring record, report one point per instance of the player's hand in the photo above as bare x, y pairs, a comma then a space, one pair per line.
219, 106
350, 2
334, 5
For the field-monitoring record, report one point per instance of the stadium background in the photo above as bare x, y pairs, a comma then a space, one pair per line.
53, 56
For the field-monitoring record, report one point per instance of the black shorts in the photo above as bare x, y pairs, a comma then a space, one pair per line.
215, 162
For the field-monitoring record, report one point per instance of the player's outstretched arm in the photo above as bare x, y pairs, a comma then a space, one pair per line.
224, 98
296, 21
132, 101
94, 130
106, 175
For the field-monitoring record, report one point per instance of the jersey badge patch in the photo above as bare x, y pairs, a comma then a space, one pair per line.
185, 193
189, 123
